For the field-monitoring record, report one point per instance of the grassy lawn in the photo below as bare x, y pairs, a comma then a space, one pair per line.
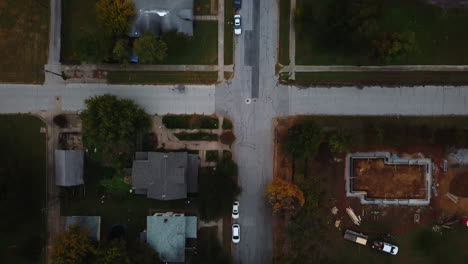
380, 78
440, 35
202, 7
201, 49
190, 121
22, 189
77, 17
228, 32
161, 77
283, 45
24, 40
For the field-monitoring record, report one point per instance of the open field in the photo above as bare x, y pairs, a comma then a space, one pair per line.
22, 189
24, 40
408, 78
311, 235
283, 45
381, 180
161, 77
201, 7
440, 36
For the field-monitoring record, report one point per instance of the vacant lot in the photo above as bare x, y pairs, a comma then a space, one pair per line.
161, 77
381, 180
24, 38
440, 36
22, 189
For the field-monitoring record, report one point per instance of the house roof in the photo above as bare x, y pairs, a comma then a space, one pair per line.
160, 16
167, 234
69, 167
165, 176
91, 222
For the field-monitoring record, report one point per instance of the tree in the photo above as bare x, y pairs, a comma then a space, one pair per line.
340, 142
73, 246
115, 15
393, 47
303, 139
218, 189
110, 126
142, 253
149, 49
114, 253
60, 120
284, 196
120, 51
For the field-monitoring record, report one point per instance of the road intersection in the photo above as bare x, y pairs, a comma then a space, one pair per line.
254, 77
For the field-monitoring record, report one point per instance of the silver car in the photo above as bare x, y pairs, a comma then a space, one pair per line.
235, 210
235, 233
237, 25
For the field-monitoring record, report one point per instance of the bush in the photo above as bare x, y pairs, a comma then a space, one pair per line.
150, 49
227, 124
340, 142
208, 122
227, 155
120, 51
200, 136
176, 121
211, 155
228, 138
61, 121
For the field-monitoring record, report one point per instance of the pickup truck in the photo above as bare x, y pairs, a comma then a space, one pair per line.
356, 237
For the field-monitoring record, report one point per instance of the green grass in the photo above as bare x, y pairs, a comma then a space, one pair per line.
408, 78
228, 32
190, 122
22, 189
115, 184
283, 45
200, 136
202, 7
161, 77
440, 35
78, 16
24, 40
202, 48
212, 155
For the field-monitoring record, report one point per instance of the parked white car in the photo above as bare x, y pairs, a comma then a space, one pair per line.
237, 25
235, 210
385, 247
235, 233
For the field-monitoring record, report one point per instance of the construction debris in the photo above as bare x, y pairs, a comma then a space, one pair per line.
337, 223
417, 217
353, 216
452, 198
334, 210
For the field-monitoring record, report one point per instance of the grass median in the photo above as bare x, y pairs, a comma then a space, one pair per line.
228, 32
283, 51
407, 78
161, 77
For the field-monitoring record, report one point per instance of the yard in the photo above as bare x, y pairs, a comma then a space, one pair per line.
24, 40
22, 189
283, 45
440, 36
311, 234
79, 16
161, 77
228, 32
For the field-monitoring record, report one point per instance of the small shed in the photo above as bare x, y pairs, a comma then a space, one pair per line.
69, 167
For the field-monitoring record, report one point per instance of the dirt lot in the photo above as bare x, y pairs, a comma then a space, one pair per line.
24, 39
382, 180
455, 182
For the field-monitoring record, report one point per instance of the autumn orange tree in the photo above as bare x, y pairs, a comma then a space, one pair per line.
73, 246
284, 196
115, 15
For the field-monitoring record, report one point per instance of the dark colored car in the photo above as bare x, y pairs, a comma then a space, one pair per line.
237, 4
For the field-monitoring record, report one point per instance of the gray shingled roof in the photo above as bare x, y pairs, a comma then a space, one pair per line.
165, 176
159, 16
69, 167
91, 222
167, 235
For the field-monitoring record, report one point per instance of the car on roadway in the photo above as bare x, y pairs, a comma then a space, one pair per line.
237, 25
235, 210
237, 4
385, 247
235, 233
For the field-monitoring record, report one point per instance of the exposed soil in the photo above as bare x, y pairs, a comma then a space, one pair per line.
382, 180
454, 181
459, 184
